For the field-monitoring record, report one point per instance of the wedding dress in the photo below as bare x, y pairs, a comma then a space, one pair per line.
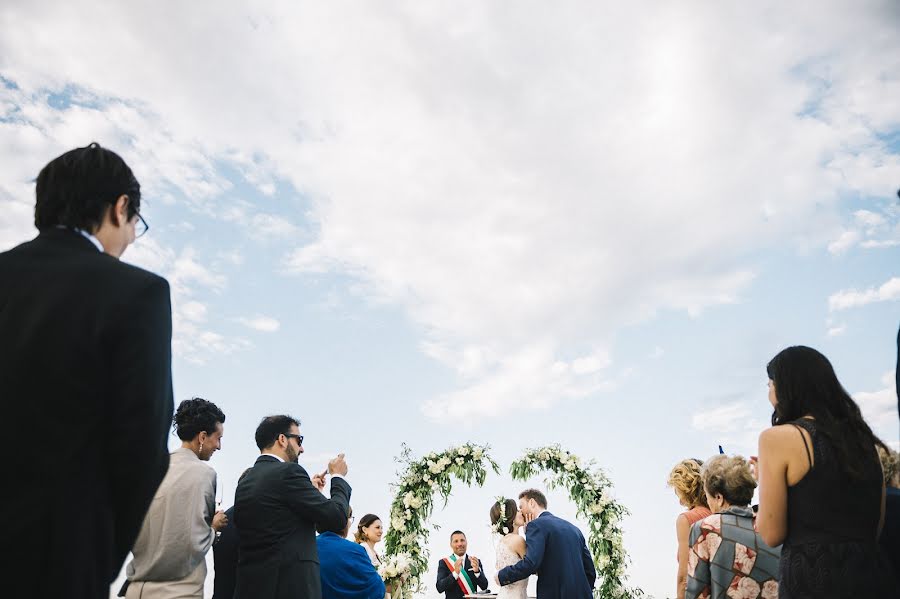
507, 557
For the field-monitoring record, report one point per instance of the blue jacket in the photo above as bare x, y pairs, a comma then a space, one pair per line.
554, 550
346, 571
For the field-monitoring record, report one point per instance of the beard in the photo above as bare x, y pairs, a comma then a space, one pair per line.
291, 454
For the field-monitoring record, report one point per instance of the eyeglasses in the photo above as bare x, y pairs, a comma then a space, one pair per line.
140, 225
293, 436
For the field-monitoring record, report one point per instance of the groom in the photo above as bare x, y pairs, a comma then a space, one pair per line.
554, 550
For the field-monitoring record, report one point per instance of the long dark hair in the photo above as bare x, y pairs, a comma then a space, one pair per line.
806, 385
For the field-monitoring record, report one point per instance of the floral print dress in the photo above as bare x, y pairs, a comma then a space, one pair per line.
729, 559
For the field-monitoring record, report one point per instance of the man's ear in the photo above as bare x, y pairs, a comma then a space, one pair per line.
119, 214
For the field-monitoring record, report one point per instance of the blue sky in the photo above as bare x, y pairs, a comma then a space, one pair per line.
583, 224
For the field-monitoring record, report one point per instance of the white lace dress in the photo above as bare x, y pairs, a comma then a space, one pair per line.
507, 557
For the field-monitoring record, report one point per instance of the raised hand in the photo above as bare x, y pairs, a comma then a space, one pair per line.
338, 465
754, 467
318, 480
528, 518
476, 565
457, 566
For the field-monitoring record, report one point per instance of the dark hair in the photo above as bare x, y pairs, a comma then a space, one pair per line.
272, 426
806, 385
324, 527
456, 532
539, 497
74, 189
195, 415
364, 522
511, 509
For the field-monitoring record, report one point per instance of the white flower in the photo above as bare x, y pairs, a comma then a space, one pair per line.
407, 499
407, 515
596, 509
477, 453
416, 503
544, 455
506, 530
603, 561
570, 466
460, 461
463, 450
427, 479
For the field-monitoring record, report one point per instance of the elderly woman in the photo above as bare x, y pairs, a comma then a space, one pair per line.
728, 558
685, 480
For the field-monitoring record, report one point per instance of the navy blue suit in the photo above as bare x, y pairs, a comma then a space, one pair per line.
554, 550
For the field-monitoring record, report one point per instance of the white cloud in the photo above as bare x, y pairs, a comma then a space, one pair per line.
520, 189
869, 219
264, 324
844, 242
724, 418
853, 298
837, 330
880, 408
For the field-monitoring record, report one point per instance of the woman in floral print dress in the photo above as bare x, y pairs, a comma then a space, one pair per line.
728, 557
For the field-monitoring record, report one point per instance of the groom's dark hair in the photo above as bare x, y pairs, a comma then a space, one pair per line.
536, 495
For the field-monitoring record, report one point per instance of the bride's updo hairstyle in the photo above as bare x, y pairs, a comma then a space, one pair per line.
364, 522
506, 525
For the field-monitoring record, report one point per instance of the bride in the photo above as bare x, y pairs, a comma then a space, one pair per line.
506, 522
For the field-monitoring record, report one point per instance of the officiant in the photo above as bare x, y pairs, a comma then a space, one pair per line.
460, 574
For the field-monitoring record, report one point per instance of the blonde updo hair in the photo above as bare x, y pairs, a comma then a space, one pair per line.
686, 481
730, 476
890, 464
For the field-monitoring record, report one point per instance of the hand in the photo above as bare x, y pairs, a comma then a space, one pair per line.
497, 580
457, 566
338, 465
476, 565
318, 480
754, 467
528, 518
220, 521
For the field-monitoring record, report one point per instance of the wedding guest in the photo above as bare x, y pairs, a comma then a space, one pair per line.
728, 558
181, 525
225, 555
277, 507
85, 349
460, 574
821, 485
686, 481
225, 559
890, 534
368, 534
345, 567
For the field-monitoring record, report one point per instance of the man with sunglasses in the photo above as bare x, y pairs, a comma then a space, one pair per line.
277, 507
85, 344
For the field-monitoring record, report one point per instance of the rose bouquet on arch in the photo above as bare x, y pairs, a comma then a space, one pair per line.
395, 571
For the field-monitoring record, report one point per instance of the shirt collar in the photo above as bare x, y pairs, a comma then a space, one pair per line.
90, 237
272, 455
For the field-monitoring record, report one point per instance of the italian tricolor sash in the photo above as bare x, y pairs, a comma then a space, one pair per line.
465, 583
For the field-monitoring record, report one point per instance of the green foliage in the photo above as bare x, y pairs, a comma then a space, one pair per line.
419, 482
587, 487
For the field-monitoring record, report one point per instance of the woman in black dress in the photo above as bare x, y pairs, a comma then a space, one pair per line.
821, 487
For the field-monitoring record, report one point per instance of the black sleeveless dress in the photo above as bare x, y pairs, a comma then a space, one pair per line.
831, 551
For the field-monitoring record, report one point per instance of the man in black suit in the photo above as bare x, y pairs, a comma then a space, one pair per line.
276, 509
85, 382
459, 574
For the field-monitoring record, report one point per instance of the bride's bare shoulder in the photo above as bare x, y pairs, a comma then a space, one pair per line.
515, 542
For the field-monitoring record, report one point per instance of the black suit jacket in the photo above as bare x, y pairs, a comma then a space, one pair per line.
225, 559
446, 582
276, 508
86, 397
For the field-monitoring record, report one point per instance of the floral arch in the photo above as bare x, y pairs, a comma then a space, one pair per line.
407, 536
